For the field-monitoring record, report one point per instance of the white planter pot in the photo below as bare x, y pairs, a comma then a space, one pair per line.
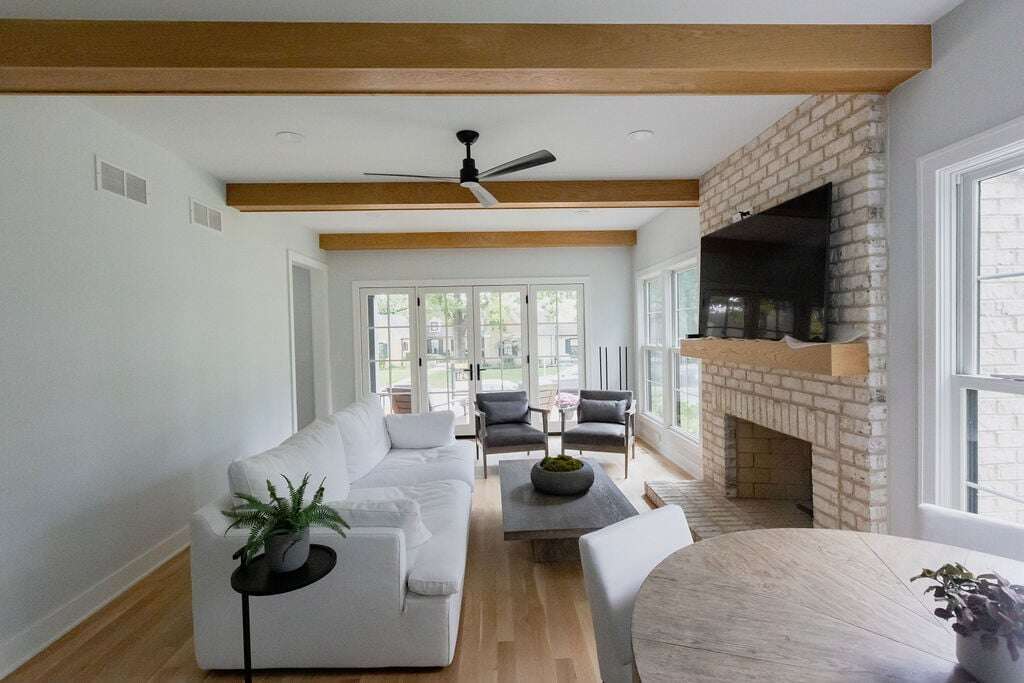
989, 666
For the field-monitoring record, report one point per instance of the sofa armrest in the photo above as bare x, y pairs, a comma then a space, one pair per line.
372, 562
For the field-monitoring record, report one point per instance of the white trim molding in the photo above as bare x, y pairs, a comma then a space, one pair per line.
26, 644
323, 392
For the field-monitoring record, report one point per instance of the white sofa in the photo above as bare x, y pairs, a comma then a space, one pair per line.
405, 484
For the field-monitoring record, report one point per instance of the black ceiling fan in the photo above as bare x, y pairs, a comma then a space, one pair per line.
470, 178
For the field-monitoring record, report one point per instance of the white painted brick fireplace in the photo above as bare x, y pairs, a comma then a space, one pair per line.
838, 139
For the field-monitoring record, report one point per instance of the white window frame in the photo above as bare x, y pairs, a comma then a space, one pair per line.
945, 286
692, 263
664, 275
657, 279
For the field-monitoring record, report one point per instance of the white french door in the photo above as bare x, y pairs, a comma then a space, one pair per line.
472, 339
436, 347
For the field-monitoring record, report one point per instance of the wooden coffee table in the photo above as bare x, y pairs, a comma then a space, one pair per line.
553, 524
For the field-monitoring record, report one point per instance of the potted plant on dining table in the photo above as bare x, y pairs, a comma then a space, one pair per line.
988, 614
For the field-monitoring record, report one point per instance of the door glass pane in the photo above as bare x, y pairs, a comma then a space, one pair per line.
1000, 320
447, 353
502, 333
390, 349
994, 471
559, 342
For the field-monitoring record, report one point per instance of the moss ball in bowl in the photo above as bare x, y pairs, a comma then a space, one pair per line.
562, 475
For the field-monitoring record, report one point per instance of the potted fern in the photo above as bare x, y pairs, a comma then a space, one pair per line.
989, 620
281, 526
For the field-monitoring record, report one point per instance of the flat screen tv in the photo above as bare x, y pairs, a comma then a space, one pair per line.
766, 276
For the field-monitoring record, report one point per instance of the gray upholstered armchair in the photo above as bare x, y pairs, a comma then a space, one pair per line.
503, 424
605, 422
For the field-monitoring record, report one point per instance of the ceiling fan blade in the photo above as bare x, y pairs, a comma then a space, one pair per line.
485, 198
445, 178
538, 158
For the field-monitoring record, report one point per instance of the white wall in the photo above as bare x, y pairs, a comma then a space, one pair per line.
138, 355
671, 236
976, 82
609, 295
672, 233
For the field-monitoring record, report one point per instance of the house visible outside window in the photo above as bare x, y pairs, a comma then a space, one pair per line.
653, 398
686, 389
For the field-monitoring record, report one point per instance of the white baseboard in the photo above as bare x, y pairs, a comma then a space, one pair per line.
22, 646
678, 449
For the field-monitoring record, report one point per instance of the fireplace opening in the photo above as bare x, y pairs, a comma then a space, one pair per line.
772, 466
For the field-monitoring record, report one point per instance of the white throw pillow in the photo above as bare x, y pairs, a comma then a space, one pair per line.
425, 430
317, 449
365, 436
390, 509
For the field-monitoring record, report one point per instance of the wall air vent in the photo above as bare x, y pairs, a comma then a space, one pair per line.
201, 214
121, 182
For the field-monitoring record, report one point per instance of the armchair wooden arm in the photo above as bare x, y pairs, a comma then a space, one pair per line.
543, 415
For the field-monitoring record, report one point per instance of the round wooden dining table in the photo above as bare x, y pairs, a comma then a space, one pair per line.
800, 605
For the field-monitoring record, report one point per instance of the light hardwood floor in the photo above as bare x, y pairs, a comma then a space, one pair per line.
521, 621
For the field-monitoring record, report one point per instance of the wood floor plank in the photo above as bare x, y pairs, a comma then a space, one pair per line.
521, 621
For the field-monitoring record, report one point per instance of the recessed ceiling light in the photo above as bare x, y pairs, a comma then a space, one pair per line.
289, 136
582, 212
641, 135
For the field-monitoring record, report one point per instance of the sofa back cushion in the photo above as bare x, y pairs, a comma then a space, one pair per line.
365, 436
317, 449
504, 407
591, 410
422, 430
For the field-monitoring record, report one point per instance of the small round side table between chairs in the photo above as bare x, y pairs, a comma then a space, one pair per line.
255, 578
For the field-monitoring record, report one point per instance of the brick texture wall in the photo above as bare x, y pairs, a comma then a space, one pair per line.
771, 464
838, 139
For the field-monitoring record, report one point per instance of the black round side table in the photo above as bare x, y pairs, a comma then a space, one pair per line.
255, 578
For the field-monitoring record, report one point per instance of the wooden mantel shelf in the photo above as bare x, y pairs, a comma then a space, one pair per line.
836, 360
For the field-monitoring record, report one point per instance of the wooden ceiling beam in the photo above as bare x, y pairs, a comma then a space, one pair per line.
521, 239
546, 194
168, 57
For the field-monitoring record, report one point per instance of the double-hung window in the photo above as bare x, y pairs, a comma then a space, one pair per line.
972, 436
653, 335
686, 386
988, 384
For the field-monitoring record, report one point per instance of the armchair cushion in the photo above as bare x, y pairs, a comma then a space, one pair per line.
596, 434
591, 410
506, 412
514, 434
421, 430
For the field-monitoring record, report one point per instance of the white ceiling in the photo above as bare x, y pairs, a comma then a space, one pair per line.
486, 220
233, 137
528, 11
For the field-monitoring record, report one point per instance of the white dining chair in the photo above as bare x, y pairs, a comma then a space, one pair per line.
616, 560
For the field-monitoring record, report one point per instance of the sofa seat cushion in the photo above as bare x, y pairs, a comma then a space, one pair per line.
438, 566
409, 466
364, 434
515, 434
596, 434
317, 449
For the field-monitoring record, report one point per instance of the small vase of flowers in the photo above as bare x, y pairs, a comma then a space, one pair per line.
989, 620
562, 475
280, 527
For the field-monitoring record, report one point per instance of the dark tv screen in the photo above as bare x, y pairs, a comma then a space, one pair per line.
766, 276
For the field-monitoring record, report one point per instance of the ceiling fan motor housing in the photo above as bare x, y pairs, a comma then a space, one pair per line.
469, 173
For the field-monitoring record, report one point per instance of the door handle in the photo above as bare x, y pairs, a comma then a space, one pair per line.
470, 370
